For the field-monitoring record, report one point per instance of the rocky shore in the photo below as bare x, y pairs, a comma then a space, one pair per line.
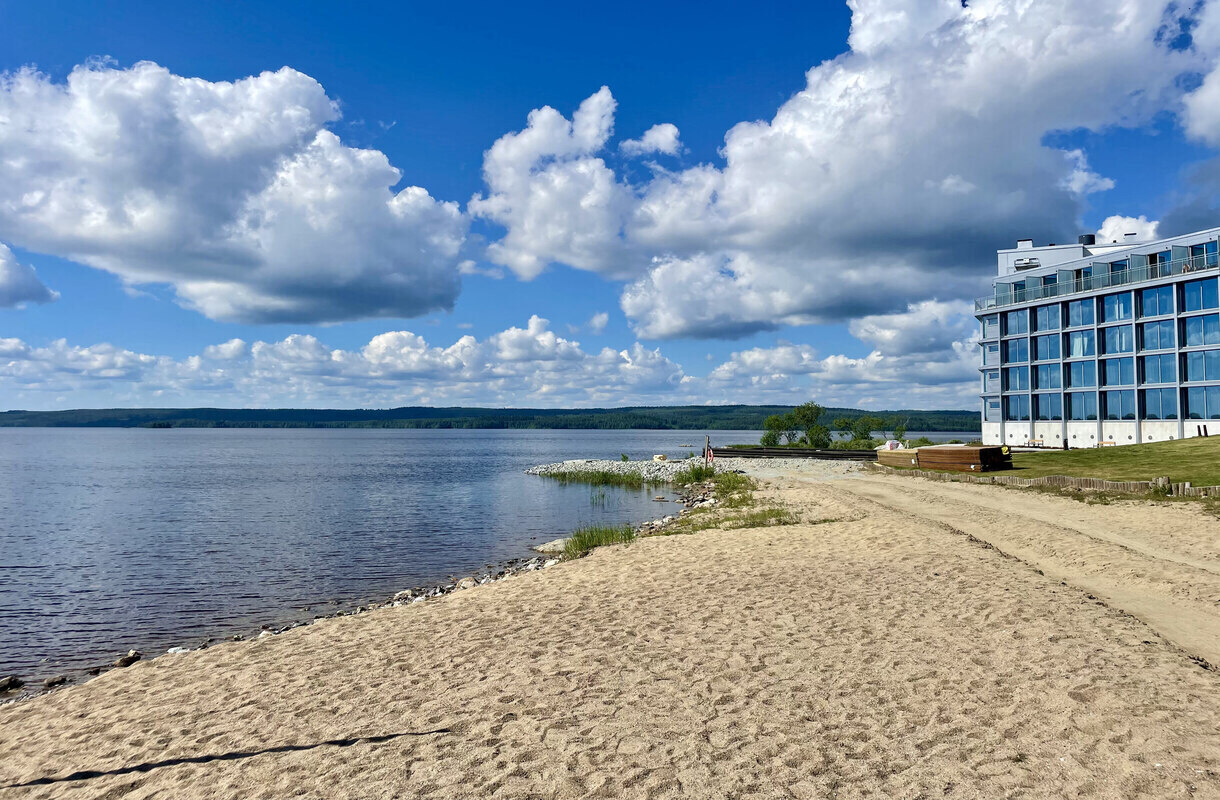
664, 471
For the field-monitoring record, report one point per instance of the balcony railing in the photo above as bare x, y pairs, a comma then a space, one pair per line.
1164, 269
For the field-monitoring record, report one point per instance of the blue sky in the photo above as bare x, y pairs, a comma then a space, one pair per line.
738, 289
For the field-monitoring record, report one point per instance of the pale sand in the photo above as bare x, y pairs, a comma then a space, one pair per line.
884, 655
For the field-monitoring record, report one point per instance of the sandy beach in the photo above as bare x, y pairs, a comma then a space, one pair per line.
906, 639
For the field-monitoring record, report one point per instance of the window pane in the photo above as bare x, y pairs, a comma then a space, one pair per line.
1046, 318
1119, 340
1016, 322
1080, 312
1080, 343
1048, 406
1198, 295
1082, 405
1016, 350
1116, 307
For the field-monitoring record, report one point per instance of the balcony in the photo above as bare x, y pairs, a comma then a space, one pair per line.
1205, 263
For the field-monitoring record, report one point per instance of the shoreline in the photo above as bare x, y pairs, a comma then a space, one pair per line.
883, 644
38, 686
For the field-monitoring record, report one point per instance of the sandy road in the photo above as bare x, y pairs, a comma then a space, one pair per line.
1157, 561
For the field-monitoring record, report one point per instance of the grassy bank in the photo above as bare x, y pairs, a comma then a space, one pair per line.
1196, 460
627, 480
585, 539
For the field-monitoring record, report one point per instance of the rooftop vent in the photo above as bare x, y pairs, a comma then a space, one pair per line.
1025, 244
1130, 237
1087, 239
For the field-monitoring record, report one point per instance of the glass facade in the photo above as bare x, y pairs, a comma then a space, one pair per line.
1150, 353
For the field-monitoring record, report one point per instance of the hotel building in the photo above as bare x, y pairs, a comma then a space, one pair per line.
1102, 342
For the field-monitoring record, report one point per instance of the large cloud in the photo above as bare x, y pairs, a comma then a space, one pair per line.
890, 178
923, 357
236, 194
515, 367
19, 284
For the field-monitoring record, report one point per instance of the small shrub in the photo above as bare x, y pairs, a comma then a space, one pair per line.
763, 518
730, 482
695, 473
624, 457
922, 441
585, 539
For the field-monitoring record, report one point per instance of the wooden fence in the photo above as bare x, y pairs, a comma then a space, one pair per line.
1160, 485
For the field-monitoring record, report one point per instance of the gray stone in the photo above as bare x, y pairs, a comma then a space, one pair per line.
553, 546
127, 660
58, 680
11, 683
468, 583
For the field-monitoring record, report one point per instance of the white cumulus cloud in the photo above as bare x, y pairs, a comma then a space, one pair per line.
661, 138
235, 193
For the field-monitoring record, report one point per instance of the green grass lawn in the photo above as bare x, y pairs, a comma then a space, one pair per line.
1196, 460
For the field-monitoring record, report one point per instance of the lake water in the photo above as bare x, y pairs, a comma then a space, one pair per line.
117, 539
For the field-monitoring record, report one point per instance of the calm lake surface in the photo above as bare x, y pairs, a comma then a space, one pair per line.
117, 539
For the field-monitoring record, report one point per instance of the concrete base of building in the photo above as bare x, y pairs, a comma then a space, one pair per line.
1090, 433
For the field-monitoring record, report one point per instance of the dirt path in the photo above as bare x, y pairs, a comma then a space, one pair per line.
1157, 561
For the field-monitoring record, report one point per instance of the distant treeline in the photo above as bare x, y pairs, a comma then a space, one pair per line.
636, 418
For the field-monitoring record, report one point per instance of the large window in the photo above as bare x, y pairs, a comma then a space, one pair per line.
1016, 350
1080, 344
1199, 331
1081, 374
1158, 369
1117, 372
1016, 322
1203, 402
991, 409
1160, 403
991, 355
1119, 339
1118, 405
1048, 406
1046, 376
1203, 365
1016, 379
991, 327
991, 381
1016, 407
1046, 348
1046, 318
1198, 295
1156, 301
1156, 335
1080, 312
1116, 307
1081, 405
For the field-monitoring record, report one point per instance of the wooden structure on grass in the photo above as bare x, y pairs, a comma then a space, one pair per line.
949, 458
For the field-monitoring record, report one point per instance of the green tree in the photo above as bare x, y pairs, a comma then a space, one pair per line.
843, 426
900, 429
862, 427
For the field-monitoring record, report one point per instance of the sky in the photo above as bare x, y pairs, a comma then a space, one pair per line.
302, 204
